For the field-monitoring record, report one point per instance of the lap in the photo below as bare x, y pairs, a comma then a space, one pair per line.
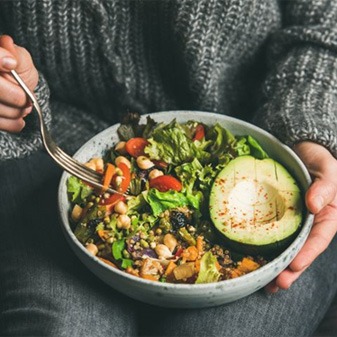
45, 290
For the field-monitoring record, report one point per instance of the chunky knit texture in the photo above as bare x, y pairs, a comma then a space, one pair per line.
268, 61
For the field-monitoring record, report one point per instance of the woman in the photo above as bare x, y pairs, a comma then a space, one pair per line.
270, 62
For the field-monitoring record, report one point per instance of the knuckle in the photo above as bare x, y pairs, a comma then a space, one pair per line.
24, 55
321, 243
18, 125
18, 97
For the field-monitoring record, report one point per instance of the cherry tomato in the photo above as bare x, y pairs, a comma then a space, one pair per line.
165, 183
135, 146
199, 132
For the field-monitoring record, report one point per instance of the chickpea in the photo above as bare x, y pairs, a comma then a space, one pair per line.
91, 165
123, 221
121, 207
118, 180
170, 241
155, 173
163, 252
144, 163
124, 160
76, 212
92, 248
120, 147
99, 164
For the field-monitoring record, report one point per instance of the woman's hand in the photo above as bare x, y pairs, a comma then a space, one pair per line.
321, 200
14, 105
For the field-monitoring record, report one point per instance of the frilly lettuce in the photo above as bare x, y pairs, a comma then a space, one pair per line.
77, 189
195, 176
208, 272
161, 201
172, 144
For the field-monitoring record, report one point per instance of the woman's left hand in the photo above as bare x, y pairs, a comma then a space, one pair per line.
321, 200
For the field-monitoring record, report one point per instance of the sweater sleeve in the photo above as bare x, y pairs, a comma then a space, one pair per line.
299, 96
28, 140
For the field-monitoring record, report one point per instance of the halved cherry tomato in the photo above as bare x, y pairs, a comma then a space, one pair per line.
199, 132
165, 183
135, 146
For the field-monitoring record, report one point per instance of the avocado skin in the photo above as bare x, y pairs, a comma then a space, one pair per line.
269, 251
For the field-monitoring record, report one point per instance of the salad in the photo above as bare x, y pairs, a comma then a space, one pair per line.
160, 228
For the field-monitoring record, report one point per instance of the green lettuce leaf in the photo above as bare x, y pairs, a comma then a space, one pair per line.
161, 201
117, 249
78, 190
208, 272
171, 144
222, 141
255, 148
194, 176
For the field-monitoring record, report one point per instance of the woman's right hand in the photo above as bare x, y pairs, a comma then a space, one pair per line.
14, 104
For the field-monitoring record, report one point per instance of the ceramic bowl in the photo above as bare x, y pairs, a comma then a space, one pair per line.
184, 295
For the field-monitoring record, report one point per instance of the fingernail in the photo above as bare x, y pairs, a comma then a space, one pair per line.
8, 63
318, 201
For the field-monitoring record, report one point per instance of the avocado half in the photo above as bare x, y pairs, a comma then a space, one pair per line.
256, 205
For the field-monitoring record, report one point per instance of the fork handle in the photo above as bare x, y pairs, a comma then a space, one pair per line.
23, 86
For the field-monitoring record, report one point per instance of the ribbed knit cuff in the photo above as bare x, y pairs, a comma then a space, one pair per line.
28, 140
300, 99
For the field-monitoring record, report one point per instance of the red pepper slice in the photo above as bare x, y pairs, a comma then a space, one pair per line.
135, 146
165, 183
179, 252
199, 132
112, 200
126, 178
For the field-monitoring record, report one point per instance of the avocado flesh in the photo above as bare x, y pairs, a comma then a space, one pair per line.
256, 203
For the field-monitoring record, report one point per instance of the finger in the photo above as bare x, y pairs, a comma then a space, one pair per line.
7, 42
322, 233
14, 113
11, 94
8, 54
21, 55
287, 278
12, 125
271, 287
24, 63
321, 193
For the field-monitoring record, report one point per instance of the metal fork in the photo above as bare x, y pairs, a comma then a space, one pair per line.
68, 163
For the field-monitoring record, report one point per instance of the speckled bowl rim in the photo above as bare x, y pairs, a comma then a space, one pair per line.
303, 234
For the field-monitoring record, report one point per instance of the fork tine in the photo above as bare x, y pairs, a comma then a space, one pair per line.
70, 168
79, 166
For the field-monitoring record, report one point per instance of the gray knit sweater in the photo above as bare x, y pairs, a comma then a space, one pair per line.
267, 61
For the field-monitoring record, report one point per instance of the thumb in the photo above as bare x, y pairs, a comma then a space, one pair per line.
9, 59
7, 42
321, 193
